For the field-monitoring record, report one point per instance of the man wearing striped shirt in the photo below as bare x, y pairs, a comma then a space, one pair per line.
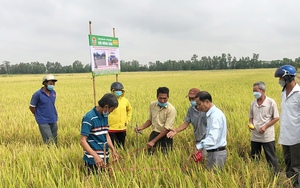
95, 139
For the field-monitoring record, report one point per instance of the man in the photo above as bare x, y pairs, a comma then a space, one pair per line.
194, 116
263, 114
42, 105
289, 121
94, 138
215, 140
161, 117
120, 117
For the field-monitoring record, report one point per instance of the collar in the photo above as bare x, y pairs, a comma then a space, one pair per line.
96, 112
50, 91
295, 89
263, 103
211, 110
195, 108
162, 106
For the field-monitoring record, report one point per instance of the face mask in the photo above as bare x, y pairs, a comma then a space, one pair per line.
282, 83
118, 93
105, 114
257, 94
50, 87
193, 103
162, 104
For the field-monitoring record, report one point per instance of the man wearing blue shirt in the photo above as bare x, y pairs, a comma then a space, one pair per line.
215, 140
95, 139
42, 105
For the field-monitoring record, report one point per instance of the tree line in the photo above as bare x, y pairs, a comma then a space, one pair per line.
225, 61
39, 68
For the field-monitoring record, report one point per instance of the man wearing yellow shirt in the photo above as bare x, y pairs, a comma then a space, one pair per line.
162, 118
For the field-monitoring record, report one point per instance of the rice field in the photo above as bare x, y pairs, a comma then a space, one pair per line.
27, 162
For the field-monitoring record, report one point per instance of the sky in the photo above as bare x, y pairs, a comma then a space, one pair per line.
149, 30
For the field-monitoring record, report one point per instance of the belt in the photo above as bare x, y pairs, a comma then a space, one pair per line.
218, 149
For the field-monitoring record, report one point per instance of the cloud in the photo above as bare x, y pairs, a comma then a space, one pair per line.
57, 31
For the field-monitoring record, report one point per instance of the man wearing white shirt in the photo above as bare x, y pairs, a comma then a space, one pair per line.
215, 140
290, 121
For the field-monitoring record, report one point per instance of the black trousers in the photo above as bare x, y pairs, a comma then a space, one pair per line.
164, 143
292, 161
92, 168
118, 138
270, 153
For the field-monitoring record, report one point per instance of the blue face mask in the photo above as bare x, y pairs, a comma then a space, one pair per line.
193, 103
162, 104
118, 93
256, 94
50, 87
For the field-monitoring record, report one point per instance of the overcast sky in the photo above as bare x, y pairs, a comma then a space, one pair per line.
149, 30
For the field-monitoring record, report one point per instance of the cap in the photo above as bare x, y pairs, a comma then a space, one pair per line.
48, 77
193, 92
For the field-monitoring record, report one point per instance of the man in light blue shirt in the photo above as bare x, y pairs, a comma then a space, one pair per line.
215, 140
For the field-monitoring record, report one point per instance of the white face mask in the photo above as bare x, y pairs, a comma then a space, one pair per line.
105, 114
282, 83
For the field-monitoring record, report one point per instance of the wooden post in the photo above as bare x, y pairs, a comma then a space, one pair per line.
94, 84
137, 140
114, 35
114, 32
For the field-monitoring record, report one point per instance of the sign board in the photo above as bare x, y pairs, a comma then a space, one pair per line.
105, 57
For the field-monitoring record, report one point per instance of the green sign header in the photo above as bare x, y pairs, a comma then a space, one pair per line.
96, 40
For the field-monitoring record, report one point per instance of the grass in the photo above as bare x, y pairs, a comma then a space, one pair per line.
27, 162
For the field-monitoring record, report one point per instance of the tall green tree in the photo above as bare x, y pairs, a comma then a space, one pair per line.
78, 66
6, 67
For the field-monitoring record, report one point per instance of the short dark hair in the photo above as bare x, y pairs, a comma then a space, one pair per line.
204, 95
108, 99
162, 90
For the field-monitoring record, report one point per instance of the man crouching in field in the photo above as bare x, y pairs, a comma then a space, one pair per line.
95, 139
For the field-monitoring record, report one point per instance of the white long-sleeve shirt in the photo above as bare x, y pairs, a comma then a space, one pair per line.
216, 130
290, 117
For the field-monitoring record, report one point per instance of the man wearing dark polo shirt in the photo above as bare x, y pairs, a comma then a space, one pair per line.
162, 118
193, 116
42, 105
